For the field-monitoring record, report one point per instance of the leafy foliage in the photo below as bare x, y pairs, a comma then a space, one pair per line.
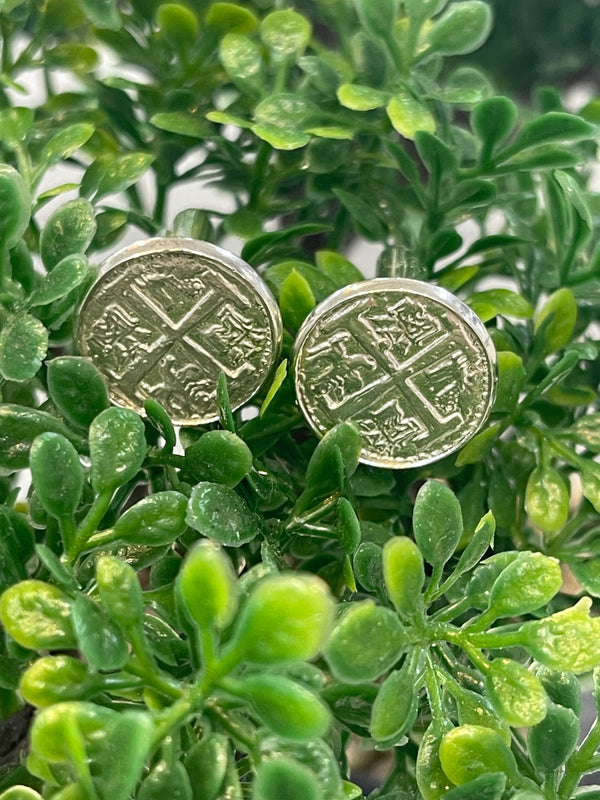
226, 619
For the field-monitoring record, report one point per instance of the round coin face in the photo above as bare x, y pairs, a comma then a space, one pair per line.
168, 315
411, 365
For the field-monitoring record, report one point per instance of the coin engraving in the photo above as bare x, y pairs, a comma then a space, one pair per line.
168, 316
407, 362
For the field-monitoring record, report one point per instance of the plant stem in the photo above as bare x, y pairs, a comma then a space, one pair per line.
580, 762
90, 523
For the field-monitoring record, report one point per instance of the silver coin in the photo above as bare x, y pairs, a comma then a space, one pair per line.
168, 315
408, 362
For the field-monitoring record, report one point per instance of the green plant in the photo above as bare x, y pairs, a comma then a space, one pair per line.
169, 649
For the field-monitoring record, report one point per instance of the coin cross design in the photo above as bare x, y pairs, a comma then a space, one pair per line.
408, 362
168, 315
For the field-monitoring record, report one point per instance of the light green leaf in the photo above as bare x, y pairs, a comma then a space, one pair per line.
276, 383
103, 13
361, 98
408, 115
492, 302
23, 346
66, 275
461, 29
64, 144
286, 34
280, 138
122, 172
181, 123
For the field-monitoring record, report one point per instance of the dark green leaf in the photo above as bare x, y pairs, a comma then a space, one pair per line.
70, 229
219, 457
65, 276
555, 126
437, 522
15, 206
461, 29
100, 640
19, 426
492, 120
77, 389
117, 448
103, 13
56, 473
219, 513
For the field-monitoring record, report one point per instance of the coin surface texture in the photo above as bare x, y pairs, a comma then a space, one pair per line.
168, 315
408, 362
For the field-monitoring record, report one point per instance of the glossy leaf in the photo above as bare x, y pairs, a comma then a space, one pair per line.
219, 457
431, 778
395, 708
468, 751
552, 741
527, 583
19, 426
207, 587
64, 143
511, 380
155, 520
66, 276
38, 616
286, 707
404, 575
206, 763
547, 499
346, 438
120, 591
286, 34
23, 346
231, 18
15, 202
70, 229
285, 619
219, 513
77, 389
500, 301
348, 526
365, 642
567, 641
117, 448
437, 522
555, 321
492, 120
461, 29
242, 60
516, 693
555, 126
166, 778
408, 115
485, 787
361, 98
100, 640
280, 777
296, 300
56, 473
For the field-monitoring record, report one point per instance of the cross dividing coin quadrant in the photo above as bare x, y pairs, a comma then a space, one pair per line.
406, 361
168, 316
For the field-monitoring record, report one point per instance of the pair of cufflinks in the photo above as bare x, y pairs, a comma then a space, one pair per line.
410, 364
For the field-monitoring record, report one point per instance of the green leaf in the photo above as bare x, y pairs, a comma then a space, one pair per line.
207, 587
19, 426
568, 641
348, 526
511, 380
439, 160
479, 447
379, 18
23, 346
166, 777
285, 777
206, 763
361, 98
120, 592
276, 384
408, 115
555, 321
285, 619
469, 751
365, 643
15, 206
547, 499
492, 302
527, 583
70, 229
562, 688
15, 125
461, 29
219, 513
181, 123
75, 56
431, 779
53, 679
368, 220
100, 641
296, 300
286, 34
77, 389
219, 457
590, 484
337, 268
479, 543
256, 250
117, 448
587, 431
516, 693
555, 126
492, 120
242, 60
551, 742
404, 575
437, 522
320, 285
344, 436
286, 707
103, 13
57, 474
485, 787
121, 172
38, 616
280, 138
178, 25
231, 18
63, 144
576, 197
66, 276
395, 708
155, 520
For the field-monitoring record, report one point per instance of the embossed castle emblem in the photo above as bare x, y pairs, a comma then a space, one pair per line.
168, 315
408, 362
